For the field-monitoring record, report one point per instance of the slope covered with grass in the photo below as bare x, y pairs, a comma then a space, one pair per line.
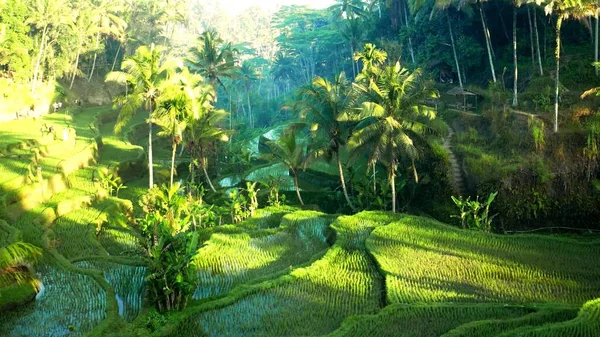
426, 261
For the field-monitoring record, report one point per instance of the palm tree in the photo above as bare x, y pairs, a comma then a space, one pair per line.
178, 101
14, 259
143, 73
564, 9
390, 120
322, 104
46, 15
212, 58
289, 152
248, 74
105, 22
372, 58
203, 131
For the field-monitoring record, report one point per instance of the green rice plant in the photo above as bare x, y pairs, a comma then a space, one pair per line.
68, 304
228, 260
493, 327
309, 301
427, 261
127, 281
586, 324
119, 241
424, 320
74, 233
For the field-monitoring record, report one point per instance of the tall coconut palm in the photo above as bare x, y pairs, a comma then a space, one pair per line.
322, 104
564, 9
287, 150
203, 131
143, 74
212, 58
46, 16
391, 119
14, 259
177, 103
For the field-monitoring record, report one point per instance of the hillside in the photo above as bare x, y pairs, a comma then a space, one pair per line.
282, 272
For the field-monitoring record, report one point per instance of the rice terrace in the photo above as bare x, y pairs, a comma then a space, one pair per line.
299, 168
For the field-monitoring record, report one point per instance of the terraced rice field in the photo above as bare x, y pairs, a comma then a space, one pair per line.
297, 273
69, 304
127, 281
426, 261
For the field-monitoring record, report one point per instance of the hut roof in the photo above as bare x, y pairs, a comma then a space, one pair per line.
459, 91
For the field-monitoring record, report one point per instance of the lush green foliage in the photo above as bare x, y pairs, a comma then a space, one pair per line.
421, 257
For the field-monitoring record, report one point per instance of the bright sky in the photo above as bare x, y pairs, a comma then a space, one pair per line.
235, 6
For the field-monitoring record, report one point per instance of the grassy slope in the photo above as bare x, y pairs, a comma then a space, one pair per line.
66, 221
426, 261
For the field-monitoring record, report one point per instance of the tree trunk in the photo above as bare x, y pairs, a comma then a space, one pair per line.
38, 61
557, 55
531, 38
173, 161
203, 164
249, 108
515, 101
393, 183
502, 20
342, 180
454, 51
297, 188
75, 70
379, 8
352, 60
95, 56
537, 41
596, 43
116, 57
410, 46
374, 164
150, 165
488, 43
192, 170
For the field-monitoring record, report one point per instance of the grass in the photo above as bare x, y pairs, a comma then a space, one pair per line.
313, 300
420, 320
226, 261
426, 261
68, 301
127, 281
284, 272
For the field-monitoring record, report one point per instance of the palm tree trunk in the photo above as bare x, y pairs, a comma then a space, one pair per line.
203, 164
38, 61
174, 148
374, 164
116, 57
249, 108
488, 43
95, 56
150, 164
352, 60
75, 69
537, 41
557, 55
454, 51
515, 101
297, 188
410, 46
531, 38
342, 180
596, 43
393, 183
